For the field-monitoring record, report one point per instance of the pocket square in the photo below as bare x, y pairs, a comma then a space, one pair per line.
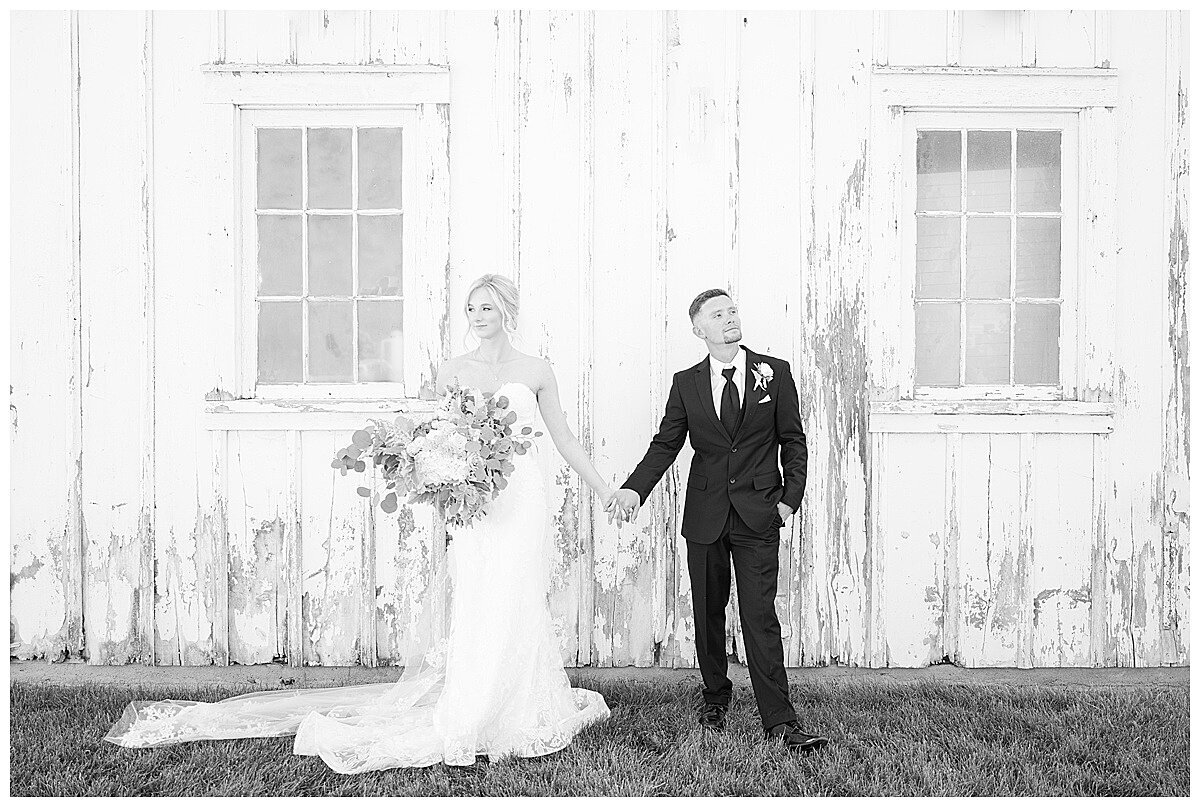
766, 399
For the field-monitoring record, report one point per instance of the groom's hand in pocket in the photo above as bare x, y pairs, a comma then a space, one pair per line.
784, 512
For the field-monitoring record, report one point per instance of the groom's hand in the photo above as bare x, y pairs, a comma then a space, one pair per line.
627, 504
785, 512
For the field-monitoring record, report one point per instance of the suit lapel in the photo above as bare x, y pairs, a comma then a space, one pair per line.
704, 390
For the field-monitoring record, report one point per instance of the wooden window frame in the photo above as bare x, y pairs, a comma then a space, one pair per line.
1068, 124
1088, 94
234, 97
255, 117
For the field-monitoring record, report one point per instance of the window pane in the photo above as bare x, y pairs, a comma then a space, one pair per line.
279, 255
1036, 360
380, 340
329, 168
1039, 253
988, 258
1039, 171
938, 257
380, 242
279, 169
379, 168
937, 343
989, 163
330, 353
330, 239
939, 171
279, 343
987, 343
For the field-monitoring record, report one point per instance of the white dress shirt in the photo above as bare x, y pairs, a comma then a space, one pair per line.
718, 381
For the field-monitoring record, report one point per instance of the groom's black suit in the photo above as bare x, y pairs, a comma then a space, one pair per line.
733, 488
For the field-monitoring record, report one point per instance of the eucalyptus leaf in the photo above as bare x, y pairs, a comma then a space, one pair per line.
389, 504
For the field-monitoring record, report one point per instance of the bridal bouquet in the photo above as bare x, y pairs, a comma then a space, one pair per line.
458, 458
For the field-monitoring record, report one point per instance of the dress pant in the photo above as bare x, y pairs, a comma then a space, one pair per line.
756, 564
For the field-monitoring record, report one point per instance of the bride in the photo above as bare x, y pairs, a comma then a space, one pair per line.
490, 682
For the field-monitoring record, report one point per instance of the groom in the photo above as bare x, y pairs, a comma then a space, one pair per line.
742, 413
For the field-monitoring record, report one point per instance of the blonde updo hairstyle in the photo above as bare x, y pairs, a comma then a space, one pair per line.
504, 295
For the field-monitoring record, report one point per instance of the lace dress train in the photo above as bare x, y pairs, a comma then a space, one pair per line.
490, 682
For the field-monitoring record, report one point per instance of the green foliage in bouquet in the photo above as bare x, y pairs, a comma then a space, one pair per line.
459, 459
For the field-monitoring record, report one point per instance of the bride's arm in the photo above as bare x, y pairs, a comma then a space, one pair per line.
564, 439
445, 374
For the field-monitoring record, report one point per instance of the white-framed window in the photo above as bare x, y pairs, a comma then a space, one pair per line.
324, 238
329, 238
988, 238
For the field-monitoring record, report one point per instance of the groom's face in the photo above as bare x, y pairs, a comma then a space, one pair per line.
718, 322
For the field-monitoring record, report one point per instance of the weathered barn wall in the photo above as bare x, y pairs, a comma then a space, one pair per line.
614, 164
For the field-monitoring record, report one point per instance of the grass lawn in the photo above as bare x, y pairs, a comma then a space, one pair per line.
889, 738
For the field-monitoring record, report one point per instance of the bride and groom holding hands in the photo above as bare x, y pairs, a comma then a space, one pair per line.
496, 685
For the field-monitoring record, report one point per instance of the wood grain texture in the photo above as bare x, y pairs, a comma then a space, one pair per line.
184, 306
1176, 516
116, 277
614, 165
45, 590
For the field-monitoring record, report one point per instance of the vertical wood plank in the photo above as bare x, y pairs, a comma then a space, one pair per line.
259, 37
45, 607
916, 37
799, 589
293, 553
406, 549
328, 37
1008, 557
407, 37
769, 128
257, 476
550, 281
115, 280
1134, 561
426, 306
989, 38
914, 548
831, 376
662, 506
623, 631
476, 237
185, 305
1062, 508
1065, 38
588, 652
695, 130
1026, 458
332, 518
1176, 363
952, 558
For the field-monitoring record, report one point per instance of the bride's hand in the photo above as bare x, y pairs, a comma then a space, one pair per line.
608, 497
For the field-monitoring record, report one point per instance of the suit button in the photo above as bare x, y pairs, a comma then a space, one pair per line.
734, 450
731, 481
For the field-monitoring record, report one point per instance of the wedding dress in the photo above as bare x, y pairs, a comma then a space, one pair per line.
487, 681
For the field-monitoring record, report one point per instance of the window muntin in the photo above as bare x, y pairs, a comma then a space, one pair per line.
988, 248
324, 247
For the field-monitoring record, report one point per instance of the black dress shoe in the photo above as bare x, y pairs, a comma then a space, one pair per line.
795, 739
712, 716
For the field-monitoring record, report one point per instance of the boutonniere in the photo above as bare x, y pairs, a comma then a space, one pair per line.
762, 375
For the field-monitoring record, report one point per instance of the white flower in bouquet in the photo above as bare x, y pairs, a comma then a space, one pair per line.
458, 459
443, 458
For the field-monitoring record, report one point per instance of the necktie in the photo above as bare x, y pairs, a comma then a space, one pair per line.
730, 408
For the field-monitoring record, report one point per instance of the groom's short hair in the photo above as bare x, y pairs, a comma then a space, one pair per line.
702, 298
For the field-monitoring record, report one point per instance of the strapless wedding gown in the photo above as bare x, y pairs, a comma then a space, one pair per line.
489, 682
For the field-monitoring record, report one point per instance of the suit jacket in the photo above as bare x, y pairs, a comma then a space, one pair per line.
739, 470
